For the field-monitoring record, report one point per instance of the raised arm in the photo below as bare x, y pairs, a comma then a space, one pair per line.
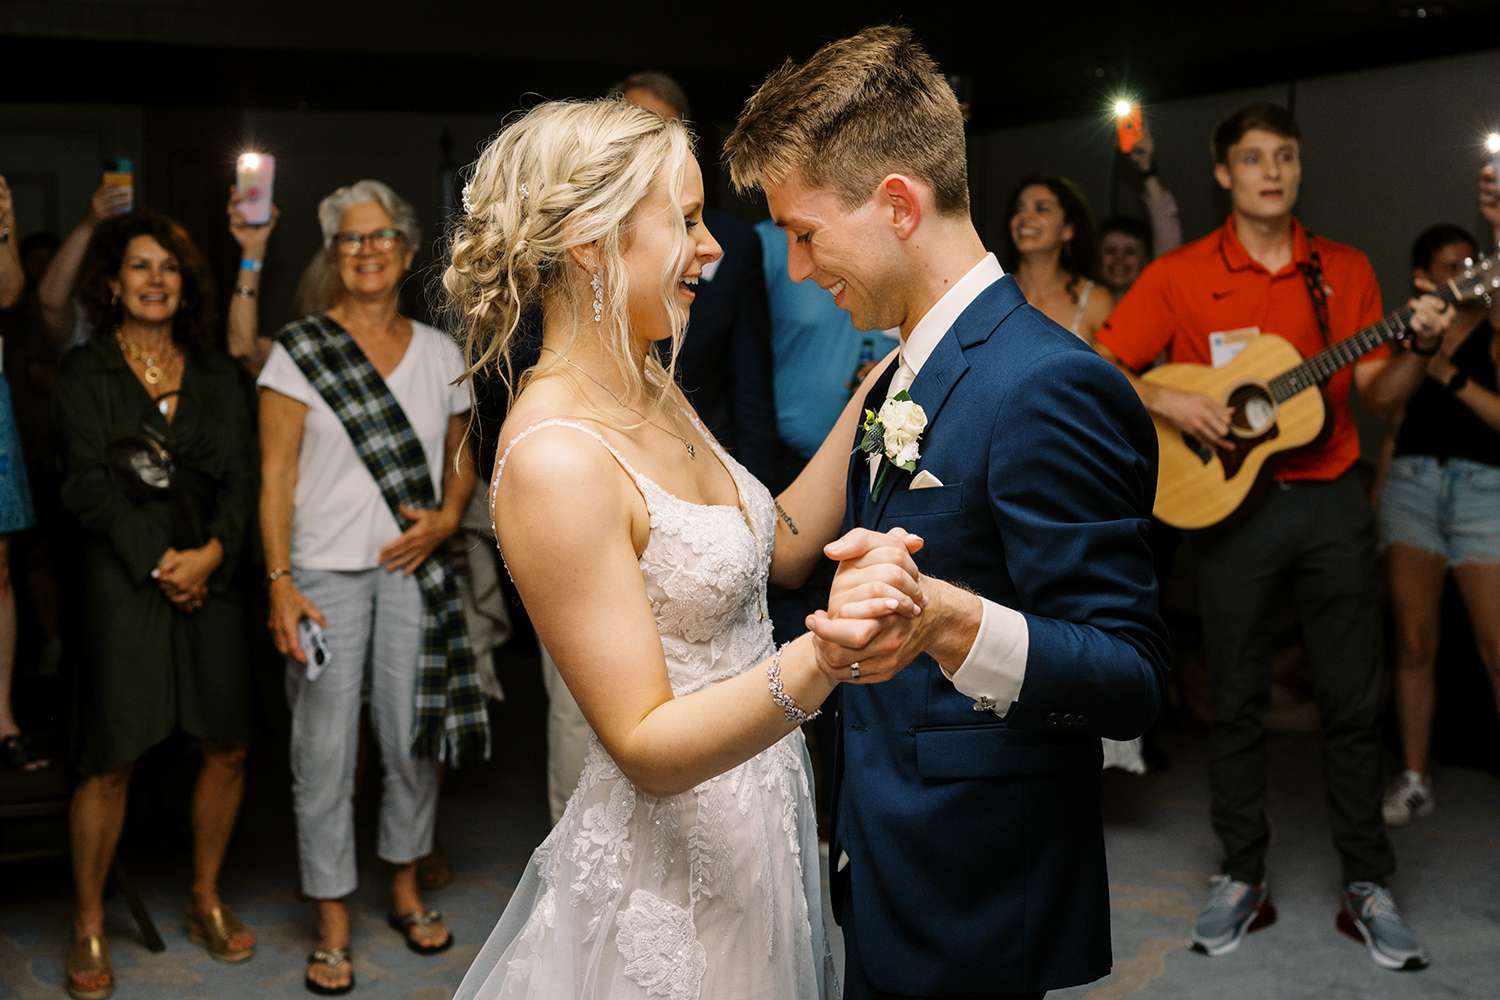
246, 345
55, 291
12, 277
1489, 208
810, 511
571, 525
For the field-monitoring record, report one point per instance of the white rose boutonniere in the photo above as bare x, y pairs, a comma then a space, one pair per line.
894, 434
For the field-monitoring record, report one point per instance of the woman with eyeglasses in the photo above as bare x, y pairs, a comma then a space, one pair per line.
361, 434
159, 474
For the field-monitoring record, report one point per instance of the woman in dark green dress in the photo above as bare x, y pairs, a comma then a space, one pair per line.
162, 638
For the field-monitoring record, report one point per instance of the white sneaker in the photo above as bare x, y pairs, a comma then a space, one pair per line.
1409, 796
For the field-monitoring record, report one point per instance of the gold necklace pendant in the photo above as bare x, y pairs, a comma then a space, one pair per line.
152, 374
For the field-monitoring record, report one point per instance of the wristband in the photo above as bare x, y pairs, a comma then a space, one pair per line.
1456, 382
277, 574
246, 264
244, 291
1412, 346
1149, 173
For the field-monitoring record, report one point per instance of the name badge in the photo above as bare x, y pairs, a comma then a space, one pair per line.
1226, 344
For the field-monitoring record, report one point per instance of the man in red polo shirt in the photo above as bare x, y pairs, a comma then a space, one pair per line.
1311, 535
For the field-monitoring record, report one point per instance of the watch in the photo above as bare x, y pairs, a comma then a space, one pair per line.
1456, 382
277, 574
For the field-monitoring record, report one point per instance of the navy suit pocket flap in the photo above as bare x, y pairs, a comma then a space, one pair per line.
908, 502
997, 752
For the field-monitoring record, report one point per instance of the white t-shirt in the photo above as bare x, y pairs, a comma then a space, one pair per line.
340, 521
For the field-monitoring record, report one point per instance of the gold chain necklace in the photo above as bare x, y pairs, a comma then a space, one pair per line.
153, 373
691, 450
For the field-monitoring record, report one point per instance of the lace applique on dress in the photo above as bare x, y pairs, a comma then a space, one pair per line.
661, 950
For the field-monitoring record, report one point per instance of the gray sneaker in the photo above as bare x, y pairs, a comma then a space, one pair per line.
1369, 915
1408, 797
1233, 910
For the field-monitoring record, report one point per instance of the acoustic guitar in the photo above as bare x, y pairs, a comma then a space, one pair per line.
1270, 388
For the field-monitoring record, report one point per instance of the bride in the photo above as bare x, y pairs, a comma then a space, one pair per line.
686, 863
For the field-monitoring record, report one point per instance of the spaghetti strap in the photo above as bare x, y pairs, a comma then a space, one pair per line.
560, 422
642, 483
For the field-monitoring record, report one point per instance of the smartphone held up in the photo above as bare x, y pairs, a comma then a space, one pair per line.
119, 176
1130, 126
254, 175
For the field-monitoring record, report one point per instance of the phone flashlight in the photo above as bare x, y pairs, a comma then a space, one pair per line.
254, 175
1129, 127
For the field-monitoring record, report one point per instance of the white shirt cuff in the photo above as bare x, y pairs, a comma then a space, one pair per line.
995, 668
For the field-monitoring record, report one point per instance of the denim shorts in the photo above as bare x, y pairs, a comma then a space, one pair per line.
1450, 508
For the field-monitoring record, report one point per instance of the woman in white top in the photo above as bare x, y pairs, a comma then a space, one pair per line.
337, 556
686, 861
1050, 252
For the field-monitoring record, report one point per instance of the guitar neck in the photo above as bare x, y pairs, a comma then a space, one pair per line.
1335, 357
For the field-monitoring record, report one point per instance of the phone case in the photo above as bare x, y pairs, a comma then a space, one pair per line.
1129, 129
254, 176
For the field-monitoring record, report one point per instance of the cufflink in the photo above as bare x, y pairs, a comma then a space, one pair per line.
984, 704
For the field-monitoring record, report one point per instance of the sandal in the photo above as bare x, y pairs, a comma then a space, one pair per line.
18, 753
333, 958
88, 958
406, 923
212, 931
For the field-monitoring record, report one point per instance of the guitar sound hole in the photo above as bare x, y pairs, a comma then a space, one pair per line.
1254, 410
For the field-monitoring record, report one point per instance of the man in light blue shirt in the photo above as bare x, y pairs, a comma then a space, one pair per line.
814, 353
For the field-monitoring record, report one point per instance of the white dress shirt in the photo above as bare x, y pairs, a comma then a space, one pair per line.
993, 671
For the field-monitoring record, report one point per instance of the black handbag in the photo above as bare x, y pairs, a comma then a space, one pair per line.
141, 465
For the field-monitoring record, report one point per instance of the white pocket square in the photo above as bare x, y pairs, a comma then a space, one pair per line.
924, 480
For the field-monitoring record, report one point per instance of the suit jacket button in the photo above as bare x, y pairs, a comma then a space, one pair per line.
1054, 719
1083, 721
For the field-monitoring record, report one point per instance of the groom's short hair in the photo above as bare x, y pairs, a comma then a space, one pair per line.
859, 109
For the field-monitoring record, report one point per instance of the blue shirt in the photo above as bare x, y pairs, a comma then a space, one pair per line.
814, 349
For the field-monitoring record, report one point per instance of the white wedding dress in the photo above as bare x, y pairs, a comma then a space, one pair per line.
712, 893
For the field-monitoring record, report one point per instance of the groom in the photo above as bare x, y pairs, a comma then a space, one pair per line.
967, 835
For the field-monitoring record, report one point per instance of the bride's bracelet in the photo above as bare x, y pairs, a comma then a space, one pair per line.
793, 711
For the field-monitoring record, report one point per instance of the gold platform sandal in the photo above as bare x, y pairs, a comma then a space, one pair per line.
88, 959
213, 931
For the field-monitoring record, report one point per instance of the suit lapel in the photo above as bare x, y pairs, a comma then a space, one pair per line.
945, 367
934, 383
859, 464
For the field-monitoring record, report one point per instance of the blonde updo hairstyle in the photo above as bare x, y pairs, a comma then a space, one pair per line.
564, 175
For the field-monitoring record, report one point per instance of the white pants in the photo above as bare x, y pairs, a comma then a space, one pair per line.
567, 738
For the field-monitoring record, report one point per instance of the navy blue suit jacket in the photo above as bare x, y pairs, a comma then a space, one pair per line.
975, 844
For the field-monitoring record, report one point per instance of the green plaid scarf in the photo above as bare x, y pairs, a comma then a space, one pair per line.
450, 722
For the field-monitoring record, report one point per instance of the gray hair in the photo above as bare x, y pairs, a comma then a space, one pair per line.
332, 209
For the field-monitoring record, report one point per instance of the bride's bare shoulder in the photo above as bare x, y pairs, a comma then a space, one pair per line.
549, 460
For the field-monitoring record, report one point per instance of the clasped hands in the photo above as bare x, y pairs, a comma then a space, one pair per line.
183, 574
877, 619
